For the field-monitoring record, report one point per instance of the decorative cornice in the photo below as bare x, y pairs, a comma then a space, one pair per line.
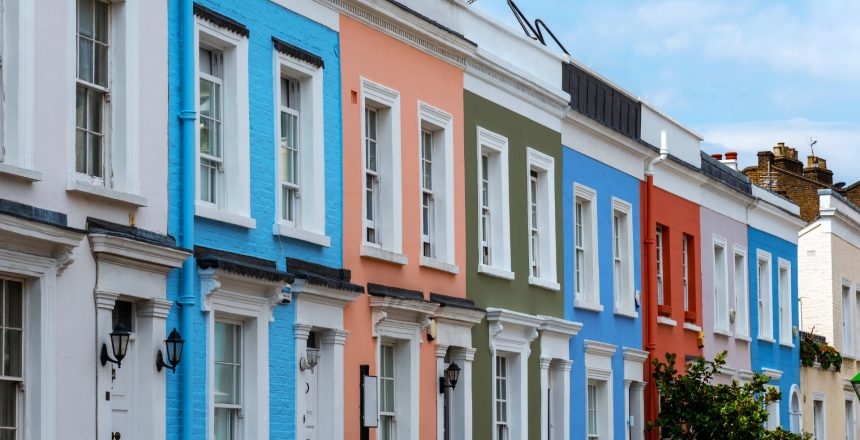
154, 308
302, 331
772, 374
632, 354
441, 351
560, 326
505, 316
564, 365
599, 348
220, 20
545, 362
105, 299
306, 291
297, 53
137, 253
335, 336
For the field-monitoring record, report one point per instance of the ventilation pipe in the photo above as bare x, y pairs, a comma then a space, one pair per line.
650, 303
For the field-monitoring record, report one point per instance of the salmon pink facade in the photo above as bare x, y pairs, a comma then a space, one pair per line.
399, 103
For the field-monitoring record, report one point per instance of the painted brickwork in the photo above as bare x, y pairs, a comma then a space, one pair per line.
265, 20
606, 326
820, 291
773, 355
735, 236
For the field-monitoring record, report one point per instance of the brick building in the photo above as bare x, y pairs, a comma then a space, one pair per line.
782, 172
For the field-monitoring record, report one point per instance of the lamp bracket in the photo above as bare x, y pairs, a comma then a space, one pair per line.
105, 357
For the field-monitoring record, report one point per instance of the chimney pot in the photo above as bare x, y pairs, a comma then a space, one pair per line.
717, 156
732, 155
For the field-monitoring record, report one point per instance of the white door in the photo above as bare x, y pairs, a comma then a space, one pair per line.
310, 418
120, 397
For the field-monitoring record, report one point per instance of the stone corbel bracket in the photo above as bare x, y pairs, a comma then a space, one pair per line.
279, 295
208, 285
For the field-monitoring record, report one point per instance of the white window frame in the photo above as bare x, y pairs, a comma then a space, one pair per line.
392, 415
310, 222
847, 295
624, 291
235, 207
495, 146
234, 298
721, 286
587, 295
122, 132
440, 125
795, 417
543, 166
389, 212
856, 318
741, 293
661, 262
819, 427
685, 262
592, 407
498, 420
785, 307
237, 407
598, 371
850, 417
17, 83
764, 301
19, 380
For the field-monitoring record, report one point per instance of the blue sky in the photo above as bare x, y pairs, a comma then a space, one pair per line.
744, 74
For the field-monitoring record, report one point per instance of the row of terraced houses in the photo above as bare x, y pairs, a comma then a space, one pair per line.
364, 219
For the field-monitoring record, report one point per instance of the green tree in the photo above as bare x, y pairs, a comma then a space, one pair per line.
692, 407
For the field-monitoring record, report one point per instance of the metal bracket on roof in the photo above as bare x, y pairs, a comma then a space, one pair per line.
534, 32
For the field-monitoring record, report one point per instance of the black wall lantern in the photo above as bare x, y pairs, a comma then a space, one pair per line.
449, 380
173, 344
119, 345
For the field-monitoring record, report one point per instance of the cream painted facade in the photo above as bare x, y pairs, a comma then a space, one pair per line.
829, 281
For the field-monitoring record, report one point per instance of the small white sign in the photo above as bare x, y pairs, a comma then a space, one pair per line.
370, 405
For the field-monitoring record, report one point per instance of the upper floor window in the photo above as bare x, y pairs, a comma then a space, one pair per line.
765, 294
847, 320
12, 367
223, 145
622, 248
493, 211
742, 321
586, 275
300, 146
210, 129
661, 297
541, 219
785, 309
381, 173
685, 262
436, 145
721, 288
92, 114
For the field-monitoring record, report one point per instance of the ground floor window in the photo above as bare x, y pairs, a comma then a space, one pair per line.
502, 406
818, 422
11, 347
387, 403
228, 379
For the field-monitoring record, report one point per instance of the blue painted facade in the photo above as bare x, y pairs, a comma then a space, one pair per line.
774, 355
605, 326
264, 20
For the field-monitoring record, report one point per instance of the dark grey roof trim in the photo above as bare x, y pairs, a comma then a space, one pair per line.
734, 179
220, 20
324, 276
297, 53
34, 214
394, 292
840, 197
453, 301
432, 22
240, 264
98, 226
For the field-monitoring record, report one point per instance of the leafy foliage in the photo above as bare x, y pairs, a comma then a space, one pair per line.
827, 356
692, 407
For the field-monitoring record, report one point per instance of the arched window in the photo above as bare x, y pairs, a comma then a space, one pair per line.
795, 411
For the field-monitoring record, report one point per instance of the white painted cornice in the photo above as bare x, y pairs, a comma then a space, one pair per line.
136, 253
460, 316
771, 373
599, 348
504, 316
323, 295
634, 355
559, 326
240, 289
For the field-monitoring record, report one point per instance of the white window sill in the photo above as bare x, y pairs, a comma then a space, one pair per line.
495, 272
766, 339
105, 193
220, 215
722, 332
666, 321
433, 263
692, 327
626, 313
301, 234
21, 173
788, 344
585, 305
378, 253
544, 283
743, 338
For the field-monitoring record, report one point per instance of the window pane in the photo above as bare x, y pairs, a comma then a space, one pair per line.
224, 342
12, 352
224, 383
8, 404
101, 18
101, 65
85, 59
13, 305
85, 17
223, 424
94, 113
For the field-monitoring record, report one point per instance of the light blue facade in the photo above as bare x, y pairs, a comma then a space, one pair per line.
264, 19
773, 355
605, 326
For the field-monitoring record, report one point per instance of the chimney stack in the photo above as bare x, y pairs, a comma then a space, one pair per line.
785, 157
816, 170
731, 160
717, 156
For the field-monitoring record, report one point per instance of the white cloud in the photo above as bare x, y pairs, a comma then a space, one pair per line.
838, 142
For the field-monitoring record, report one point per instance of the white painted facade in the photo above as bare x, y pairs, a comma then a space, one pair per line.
72, 280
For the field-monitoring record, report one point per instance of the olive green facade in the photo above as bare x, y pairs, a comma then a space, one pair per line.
490, 291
